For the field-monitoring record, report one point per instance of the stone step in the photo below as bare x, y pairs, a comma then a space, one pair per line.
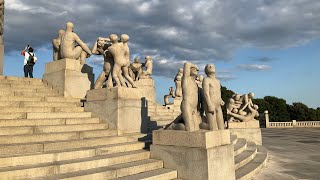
49, 104
254, 166
68, 166
69, 128
15, 78
22, 86
8, 81
233, 139
110, 172
163, 174
36, 138
34, 94
61, 99
240, 146
46, 122
59, 145
15, 98
35, 115
41, 109
246, 156
54, 156
162, 118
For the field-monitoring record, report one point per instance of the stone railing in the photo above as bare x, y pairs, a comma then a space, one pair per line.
293, 124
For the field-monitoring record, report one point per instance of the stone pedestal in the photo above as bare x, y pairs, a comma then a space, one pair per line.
148, 86
249, 130
67, 76
124, 109
201, 155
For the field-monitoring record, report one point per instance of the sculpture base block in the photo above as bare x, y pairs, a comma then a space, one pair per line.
124, 109
199, 155
148, 86
65, 75
249, 130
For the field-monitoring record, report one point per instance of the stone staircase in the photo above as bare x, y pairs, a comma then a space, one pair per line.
160, 116
249, 158
45, 136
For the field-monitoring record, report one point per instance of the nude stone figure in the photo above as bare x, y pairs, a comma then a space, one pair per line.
56, 45
189, 103
177, 81
68, 48
135, 70
101, 48
253, 112
149, 67
232, 107
246, 101
168, 96
121, 61
212, 99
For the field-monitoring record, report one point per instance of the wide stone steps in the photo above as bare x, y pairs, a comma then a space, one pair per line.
41, 109
62, 155
240, 146
249, 157
46, 136
163, 174
47, 122
25, 130
246, 156
254, 166
79, 164
110, 172
43, 115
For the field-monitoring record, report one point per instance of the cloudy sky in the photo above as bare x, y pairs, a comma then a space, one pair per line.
270, 47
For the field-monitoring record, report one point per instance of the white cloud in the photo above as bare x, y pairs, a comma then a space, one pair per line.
254, 67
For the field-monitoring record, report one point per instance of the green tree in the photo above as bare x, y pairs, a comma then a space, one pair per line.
277, 108
299, 111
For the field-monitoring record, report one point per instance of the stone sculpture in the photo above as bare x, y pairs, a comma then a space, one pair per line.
101, 48
1, 16
149, 67
119, 52
212, 99
189, 120
241, 108
68, 48
168, 96
56, 45
135, 69
177, 81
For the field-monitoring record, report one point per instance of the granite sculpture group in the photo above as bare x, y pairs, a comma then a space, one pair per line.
117, 70
240, 108
201, 97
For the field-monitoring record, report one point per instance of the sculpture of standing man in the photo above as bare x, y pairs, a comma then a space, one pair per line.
68, 48
177, 81
120, 53
189, 103
212, 99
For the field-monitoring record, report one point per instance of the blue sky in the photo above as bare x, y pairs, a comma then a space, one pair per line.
267, 47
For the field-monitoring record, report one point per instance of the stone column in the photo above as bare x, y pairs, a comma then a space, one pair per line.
266, 116
124, 109
68, 76
201, 155
1, 55
294, 123
249, 130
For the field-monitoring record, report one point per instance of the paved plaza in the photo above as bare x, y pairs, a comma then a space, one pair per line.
293, 154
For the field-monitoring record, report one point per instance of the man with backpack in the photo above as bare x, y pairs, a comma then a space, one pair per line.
29, 60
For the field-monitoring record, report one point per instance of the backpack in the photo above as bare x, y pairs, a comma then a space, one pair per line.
31, 60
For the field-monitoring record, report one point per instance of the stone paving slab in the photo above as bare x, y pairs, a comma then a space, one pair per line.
293, 154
